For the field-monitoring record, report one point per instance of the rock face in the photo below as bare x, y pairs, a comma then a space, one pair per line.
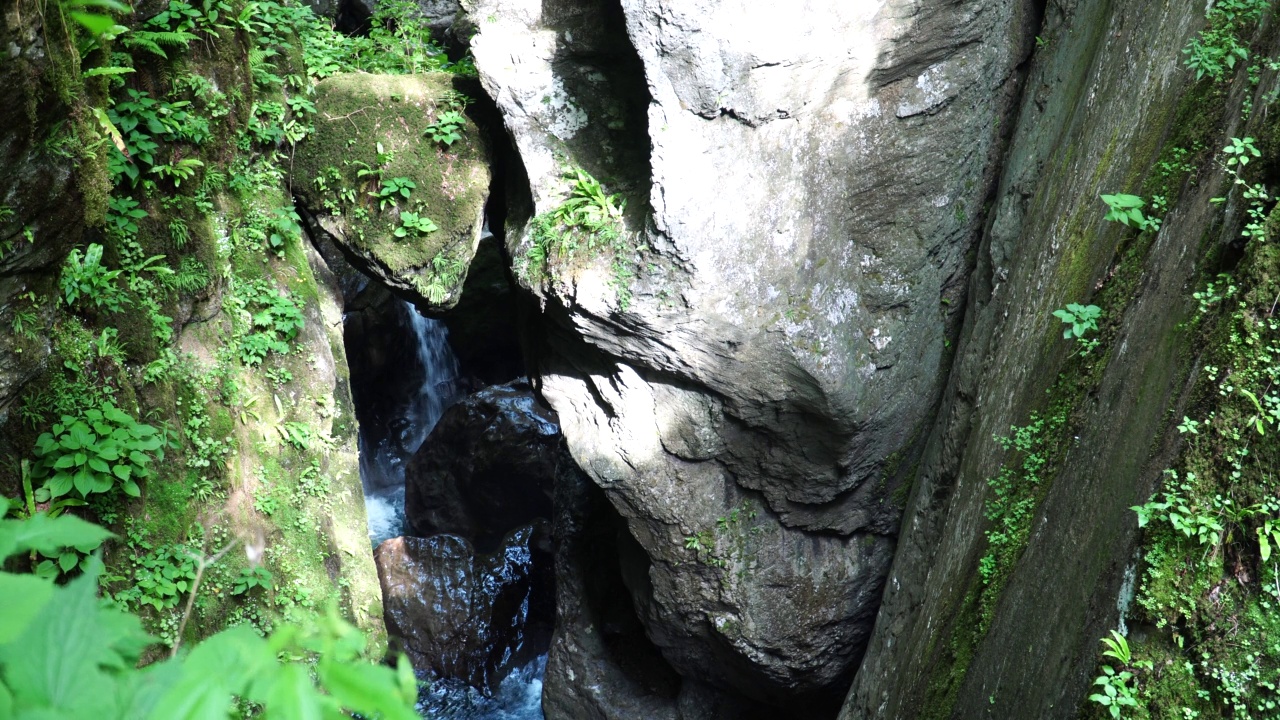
1108, 92
464, 615
751, 386
43, 204
370, 132
488, 466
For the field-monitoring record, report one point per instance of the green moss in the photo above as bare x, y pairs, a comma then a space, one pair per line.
356, 115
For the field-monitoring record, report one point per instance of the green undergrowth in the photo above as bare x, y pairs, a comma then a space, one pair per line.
586, 229
188, 403
1034, 450
1205, 621
1207, 610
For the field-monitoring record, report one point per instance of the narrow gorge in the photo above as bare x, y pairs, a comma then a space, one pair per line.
639, 359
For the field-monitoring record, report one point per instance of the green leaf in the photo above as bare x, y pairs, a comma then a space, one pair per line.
24, 597
93, 22
61, 659
45, 534
68, 560
292, 696
366, 689
84, 482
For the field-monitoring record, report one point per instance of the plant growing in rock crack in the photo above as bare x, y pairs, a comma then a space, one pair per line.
250, 578
94, 453
1238, 153
1127, 210
1080, 321
1217, 48
590, 217
84, 276
1117, 692
447, 128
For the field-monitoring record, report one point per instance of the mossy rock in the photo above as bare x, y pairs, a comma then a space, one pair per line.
337, 173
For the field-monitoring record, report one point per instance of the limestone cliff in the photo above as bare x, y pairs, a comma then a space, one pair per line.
749, 374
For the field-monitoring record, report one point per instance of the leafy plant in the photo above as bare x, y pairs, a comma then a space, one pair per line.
84, 276
161, 576
275, 319
414, 225
1240, 151
447, 128
94, 453
250, 578
65, 654
1217, 48
1080, 321
1117, 691
179, 170
392, 190
1127, 210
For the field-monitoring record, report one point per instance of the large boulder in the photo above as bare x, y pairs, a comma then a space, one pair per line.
370, 130
748, 372
463, 615
487, 467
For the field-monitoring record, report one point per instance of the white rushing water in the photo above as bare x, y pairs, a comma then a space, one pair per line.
519, 697
382, 469
382, 466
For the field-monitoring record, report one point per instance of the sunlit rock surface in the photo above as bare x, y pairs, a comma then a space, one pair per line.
803, 187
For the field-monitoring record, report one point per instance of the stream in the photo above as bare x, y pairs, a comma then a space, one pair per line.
383, 458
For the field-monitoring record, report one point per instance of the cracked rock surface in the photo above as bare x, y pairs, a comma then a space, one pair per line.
802, 189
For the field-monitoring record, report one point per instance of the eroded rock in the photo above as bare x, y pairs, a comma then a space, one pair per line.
803, 188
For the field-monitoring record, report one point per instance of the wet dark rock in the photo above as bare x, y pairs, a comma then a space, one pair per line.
482, 326
463, 615
601, 666
487, 467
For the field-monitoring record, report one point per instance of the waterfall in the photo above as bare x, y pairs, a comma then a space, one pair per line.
382, 462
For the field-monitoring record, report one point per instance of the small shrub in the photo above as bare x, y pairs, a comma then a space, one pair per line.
414, 225
1080, 321
84, 276
276, 320
250, 578
1127, 210
447, 129
392, 190
94, 453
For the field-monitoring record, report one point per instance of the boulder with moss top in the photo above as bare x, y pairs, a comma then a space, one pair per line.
405, 208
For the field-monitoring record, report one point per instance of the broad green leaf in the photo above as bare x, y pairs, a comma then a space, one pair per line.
364, 688
84, 482
24, 596
59, 660
43, 533
93, 22
292, 696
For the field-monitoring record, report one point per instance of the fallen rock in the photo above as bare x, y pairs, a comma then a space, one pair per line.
467, 616
369, 131
487, 467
